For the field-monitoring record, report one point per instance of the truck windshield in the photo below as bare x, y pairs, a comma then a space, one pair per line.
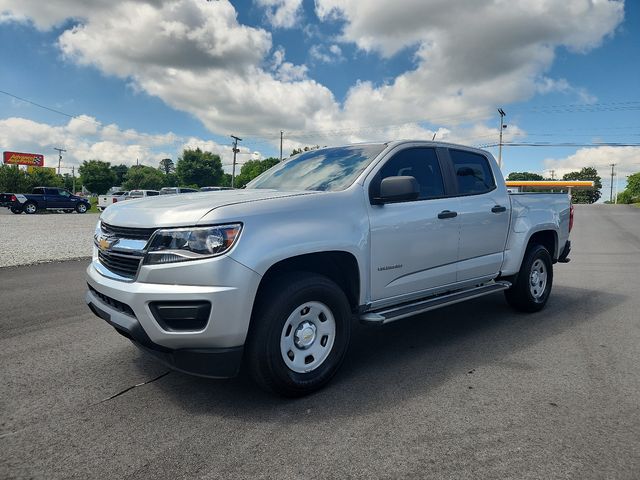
328, 169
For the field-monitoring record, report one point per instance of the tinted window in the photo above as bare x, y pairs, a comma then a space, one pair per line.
38, 191
420, 163
473, 172
52, 191
152, 193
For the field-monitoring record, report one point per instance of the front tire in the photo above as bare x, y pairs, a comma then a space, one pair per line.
81, 208
300, 333
30, 208
533, 283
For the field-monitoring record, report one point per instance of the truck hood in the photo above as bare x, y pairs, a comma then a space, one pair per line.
184, 209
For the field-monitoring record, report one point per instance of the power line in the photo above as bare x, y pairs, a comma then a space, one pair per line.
562, 144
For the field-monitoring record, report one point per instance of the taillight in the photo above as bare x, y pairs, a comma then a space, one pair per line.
571, 218
13, 198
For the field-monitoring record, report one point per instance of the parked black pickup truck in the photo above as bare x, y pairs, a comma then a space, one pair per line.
44, 198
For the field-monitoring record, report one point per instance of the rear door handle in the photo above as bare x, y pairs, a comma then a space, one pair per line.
447, 214
499, 209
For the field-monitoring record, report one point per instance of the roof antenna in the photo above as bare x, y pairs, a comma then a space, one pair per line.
434, 136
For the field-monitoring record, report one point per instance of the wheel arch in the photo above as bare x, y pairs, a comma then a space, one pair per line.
548, 239
339, 266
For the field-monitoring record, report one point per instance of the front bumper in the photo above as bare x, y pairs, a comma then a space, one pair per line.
204, 362
213, 351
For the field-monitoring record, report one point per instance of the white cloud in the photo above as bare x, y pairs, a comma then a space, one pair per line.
324, 54
469, 56
627, 160
282, 13
85, 139
561, 85
287, 71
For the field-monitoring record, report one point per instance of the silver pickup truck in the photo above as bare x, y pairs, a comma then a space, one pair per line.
272, 276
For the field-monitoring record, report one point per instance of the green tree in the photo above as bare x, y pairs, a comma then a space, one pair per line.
144, 177
120, 171
631, 194
167, 166
97, 176
296, 151
585, 196
13, 180
226, 180
44, 177
252, 169
196, 167
524, 176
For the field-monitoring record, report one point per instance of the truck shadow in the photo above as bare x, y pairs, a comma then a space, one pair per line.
389, 364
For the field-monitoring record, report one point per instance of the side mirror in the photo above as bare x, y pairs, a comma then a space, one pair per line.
397, 189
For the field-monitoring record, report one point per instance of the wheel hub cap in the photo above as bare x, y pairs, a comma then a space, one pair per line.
305, 335
535, 277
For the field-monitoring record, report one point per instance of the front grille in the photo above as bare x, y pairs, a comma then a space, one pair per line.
112, 302
128, 232
124, 264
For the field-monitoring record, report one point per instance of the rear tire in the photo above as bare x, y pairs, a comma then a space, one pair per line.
30, 208
533, 282
299, 335
16, 210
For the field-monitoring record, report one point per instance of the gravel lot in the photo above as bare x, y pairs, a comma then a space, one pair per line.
47, 237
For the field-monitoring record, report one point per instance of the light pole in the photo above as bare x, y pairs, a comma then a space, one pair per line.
235, 151
60, 150
502, 127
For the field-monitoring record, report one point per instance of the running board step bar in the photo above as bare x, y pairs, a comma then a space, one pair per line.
391, 314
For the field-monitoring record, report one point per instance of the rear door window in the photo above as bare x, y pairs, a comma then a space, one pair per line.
473, 172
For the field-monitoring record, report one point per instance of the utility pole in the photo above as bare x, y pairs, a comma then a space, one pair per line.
281, 134
553, 174
73, 175
235, 151
60, 150
612, 165
502, 127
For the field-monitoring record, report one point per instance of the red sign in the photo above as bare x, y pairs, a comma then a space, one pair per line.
19, 158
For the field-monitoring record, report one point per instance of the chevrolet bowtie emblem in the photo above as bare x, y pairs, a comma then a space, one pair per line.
106, 242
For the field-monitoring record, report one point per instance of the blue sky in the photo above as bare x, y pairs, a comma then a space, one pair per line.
324, 72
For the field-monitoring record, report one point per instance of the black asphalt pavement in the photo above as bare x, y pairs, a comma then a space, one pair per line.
471, 391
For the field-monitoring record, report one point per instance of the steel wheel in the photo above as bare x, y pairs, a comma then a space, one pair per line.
307, 337
532, 285
538, 279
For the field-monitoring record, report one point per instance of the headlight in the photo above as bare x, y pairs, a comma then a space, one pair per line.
182, 244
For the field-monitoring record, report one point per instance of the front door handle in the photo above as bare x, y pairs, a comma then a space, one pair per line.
499, 209
447, 214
